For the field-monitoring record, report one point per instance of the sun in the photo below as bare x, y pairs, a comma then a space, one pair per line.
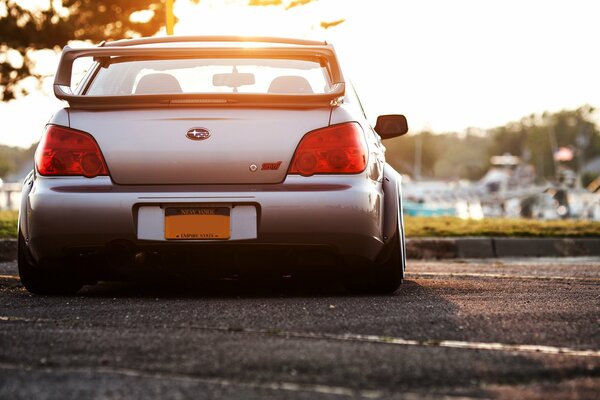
236, 17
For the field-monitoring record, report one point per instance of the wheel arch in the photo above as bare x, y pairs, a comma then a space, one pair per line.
22, 221
392, 202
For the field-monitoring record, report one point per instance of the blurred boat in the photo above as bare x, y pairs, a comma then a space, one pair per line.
508, 190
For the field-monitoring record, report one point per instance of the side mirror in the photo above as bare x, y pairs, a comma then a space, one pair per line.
391, 126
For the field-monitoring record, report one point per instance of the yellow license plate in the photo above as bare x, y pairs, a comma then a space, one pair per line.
197, 223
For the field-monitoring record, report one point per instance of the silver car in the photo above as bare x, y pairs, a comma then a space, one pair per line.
206, 153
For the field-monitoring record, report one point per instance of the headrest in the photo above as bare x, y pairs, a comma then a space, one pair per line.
290, 84
157, 84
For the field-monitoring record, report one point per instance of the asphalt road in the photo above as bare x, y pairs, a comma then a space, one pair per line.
455, 330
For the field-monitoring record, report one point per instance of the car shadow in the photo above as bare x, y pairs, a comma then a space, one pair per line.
181, 285
420, 311
426, 311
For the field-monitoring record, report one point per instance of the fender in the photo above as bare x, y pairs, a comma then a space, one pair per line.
392, 208
22, 224
392, 181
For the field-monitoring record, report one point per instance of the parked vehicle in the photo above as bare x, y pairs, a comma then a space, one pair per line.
205, 152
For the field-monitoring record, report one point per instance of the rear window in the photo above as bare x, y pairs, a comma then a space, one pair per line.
245, 75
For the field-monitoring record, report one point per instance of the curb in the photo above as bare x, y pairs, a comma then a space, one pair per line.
8, 249
467, 247
496, 247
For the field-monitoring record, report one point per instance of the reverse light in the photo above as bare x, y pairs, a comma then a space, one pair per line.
65, 151
336, 149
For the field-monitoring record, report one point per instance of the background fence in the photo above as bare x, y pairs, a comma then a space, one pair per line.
10, 196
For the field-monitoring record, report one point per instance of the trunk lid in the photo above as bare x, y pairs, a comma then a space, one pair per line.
151, 146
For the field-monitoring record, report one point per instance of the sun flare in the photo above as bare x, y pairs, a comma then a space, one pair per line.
237, 18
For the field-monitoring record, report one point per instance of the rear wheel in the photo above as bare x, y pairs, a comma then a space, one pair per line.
45, 281
384, 277
389, 275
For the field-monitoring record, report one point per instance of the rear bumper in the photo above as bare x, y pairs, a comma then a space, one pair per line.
60, 215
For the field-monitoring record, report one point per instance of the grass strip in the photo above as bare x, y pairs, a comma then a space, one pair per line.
8, 224
503, 227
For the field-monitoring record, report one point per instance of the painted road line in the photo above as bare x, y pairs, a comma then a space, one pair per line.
496, 276
389, 340
503, 347
9, 277
21, 319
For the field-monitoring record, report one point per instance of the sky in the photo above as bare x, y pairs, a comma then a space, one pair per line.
447, 65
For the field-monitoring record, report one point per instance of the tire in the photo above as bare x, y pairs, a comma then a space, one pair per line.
45, 281
384, 277
389, 275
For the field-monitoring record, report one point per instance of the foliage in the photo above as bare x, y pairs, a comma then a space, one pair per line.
506, 227
452, 156
24, 30
6, 166
532, 138
290, 3
444, 156
12, 158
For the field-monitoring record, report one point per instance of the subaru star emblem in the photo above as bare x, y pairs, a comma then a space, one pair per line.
198, 134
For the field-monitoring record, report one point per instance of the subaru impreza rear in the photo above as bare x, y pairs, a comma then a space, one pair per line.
206, 153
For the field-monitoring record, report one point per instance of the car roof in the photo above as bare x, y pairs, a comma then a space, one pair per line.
212, 41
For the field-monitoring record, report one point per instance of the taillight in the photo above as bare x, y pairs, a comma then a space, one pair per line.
337, 149
64, 151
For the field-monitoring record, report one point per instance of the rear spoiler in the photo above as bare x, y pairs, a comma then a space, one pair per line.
324, 54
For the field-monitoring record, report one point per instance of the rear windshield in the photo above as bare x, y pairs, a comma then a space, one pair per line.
140, 77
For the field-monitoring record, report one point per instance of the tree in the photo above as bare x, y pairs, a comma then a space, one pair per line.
12, 158
23, 31
443, 156
6, 167
400, 153
532, 138
453, 156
